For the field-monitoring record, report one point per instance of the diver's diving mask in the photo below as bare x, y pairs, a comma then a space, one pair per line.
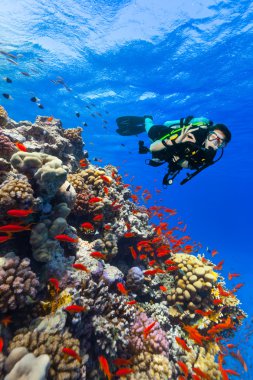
217, 140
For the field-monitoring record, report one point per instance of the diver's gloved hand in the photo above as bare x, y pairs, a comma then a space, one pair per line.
142, 149
148, 117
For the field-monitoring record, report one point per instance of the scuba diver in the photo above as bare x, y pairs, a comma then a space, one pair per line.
190, 143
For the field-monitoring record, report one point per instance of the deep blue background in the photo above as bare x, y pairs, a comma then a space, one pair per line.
165, 58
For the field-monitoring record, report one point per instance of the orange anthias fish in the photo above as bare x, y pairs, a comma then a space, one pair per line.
69, 352
201, 373
163, 288
121, 288
106, 179
147, 329
14, 228
66, 238
55, 283
194, 334
20, 213
219, 266
97, 255
5, 238
133, 302
133, 252
83, 163
95, 200
21, 147
80, 266
214, 252
121, 362
203, 313
98, 218
1, 344
237, 355
87, 226
222, 292
152, 272
75, 309
221, 326
182, 343
105, 367
129, 235
183, 367
50, 118
124, 371
233, 275
6, 320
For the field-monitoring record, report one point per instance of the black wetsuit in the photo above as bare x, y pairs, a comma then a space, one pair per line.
194, 153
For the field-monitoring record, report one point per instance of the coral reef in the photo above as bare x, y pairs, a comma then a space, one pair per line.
84, 274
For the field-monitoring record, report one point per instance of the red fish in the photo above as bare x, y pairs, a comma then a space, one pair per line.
75, 309
129, 235
98, 255
50, 118
237, 355
80, 266
233, 275
194, 334
124, 371
147, 329
121, 288
232, 372
106, 190
201, 373
55, 283
183, 367
172, 268
142, 257
105, 367
66, 238
98, 218
5, 238
203, 313
107, 227
14, 228
219, 266
1, 344
217, 301
182, 343
106, 179
6, 320
20, 213
134, 198
83, 163
87, 226
21, 147
133, 252
214, 252
163, 288
150, 272
69, 352
151, 263
169, 262
222, 292
121, 362
95, 200
133, 302
231, 345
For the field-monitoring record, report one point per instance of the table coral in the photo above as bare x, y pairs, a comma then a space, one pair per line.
17, 283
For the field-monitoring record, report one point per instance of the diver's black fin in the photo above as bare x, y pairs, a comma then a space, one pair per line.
130, 125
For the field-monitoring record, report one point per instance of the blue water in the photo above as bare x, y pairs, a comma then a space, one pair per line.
165, 58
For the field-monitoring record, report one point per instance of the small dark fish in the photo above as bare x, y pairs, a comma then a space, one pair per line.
25, 73
85, 124
107, 112
41, 60
34, 99
40, 106
122, 144
12, 61
8, 80
93, 105
7, 96
78, 114
88, 107
105, 121
92, 114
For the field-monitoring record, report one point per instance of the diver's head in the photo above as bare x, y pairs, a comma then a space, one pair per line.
218, 137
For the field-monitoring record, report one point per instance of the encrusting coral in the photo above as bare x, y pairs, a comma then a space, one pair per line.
90, 277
